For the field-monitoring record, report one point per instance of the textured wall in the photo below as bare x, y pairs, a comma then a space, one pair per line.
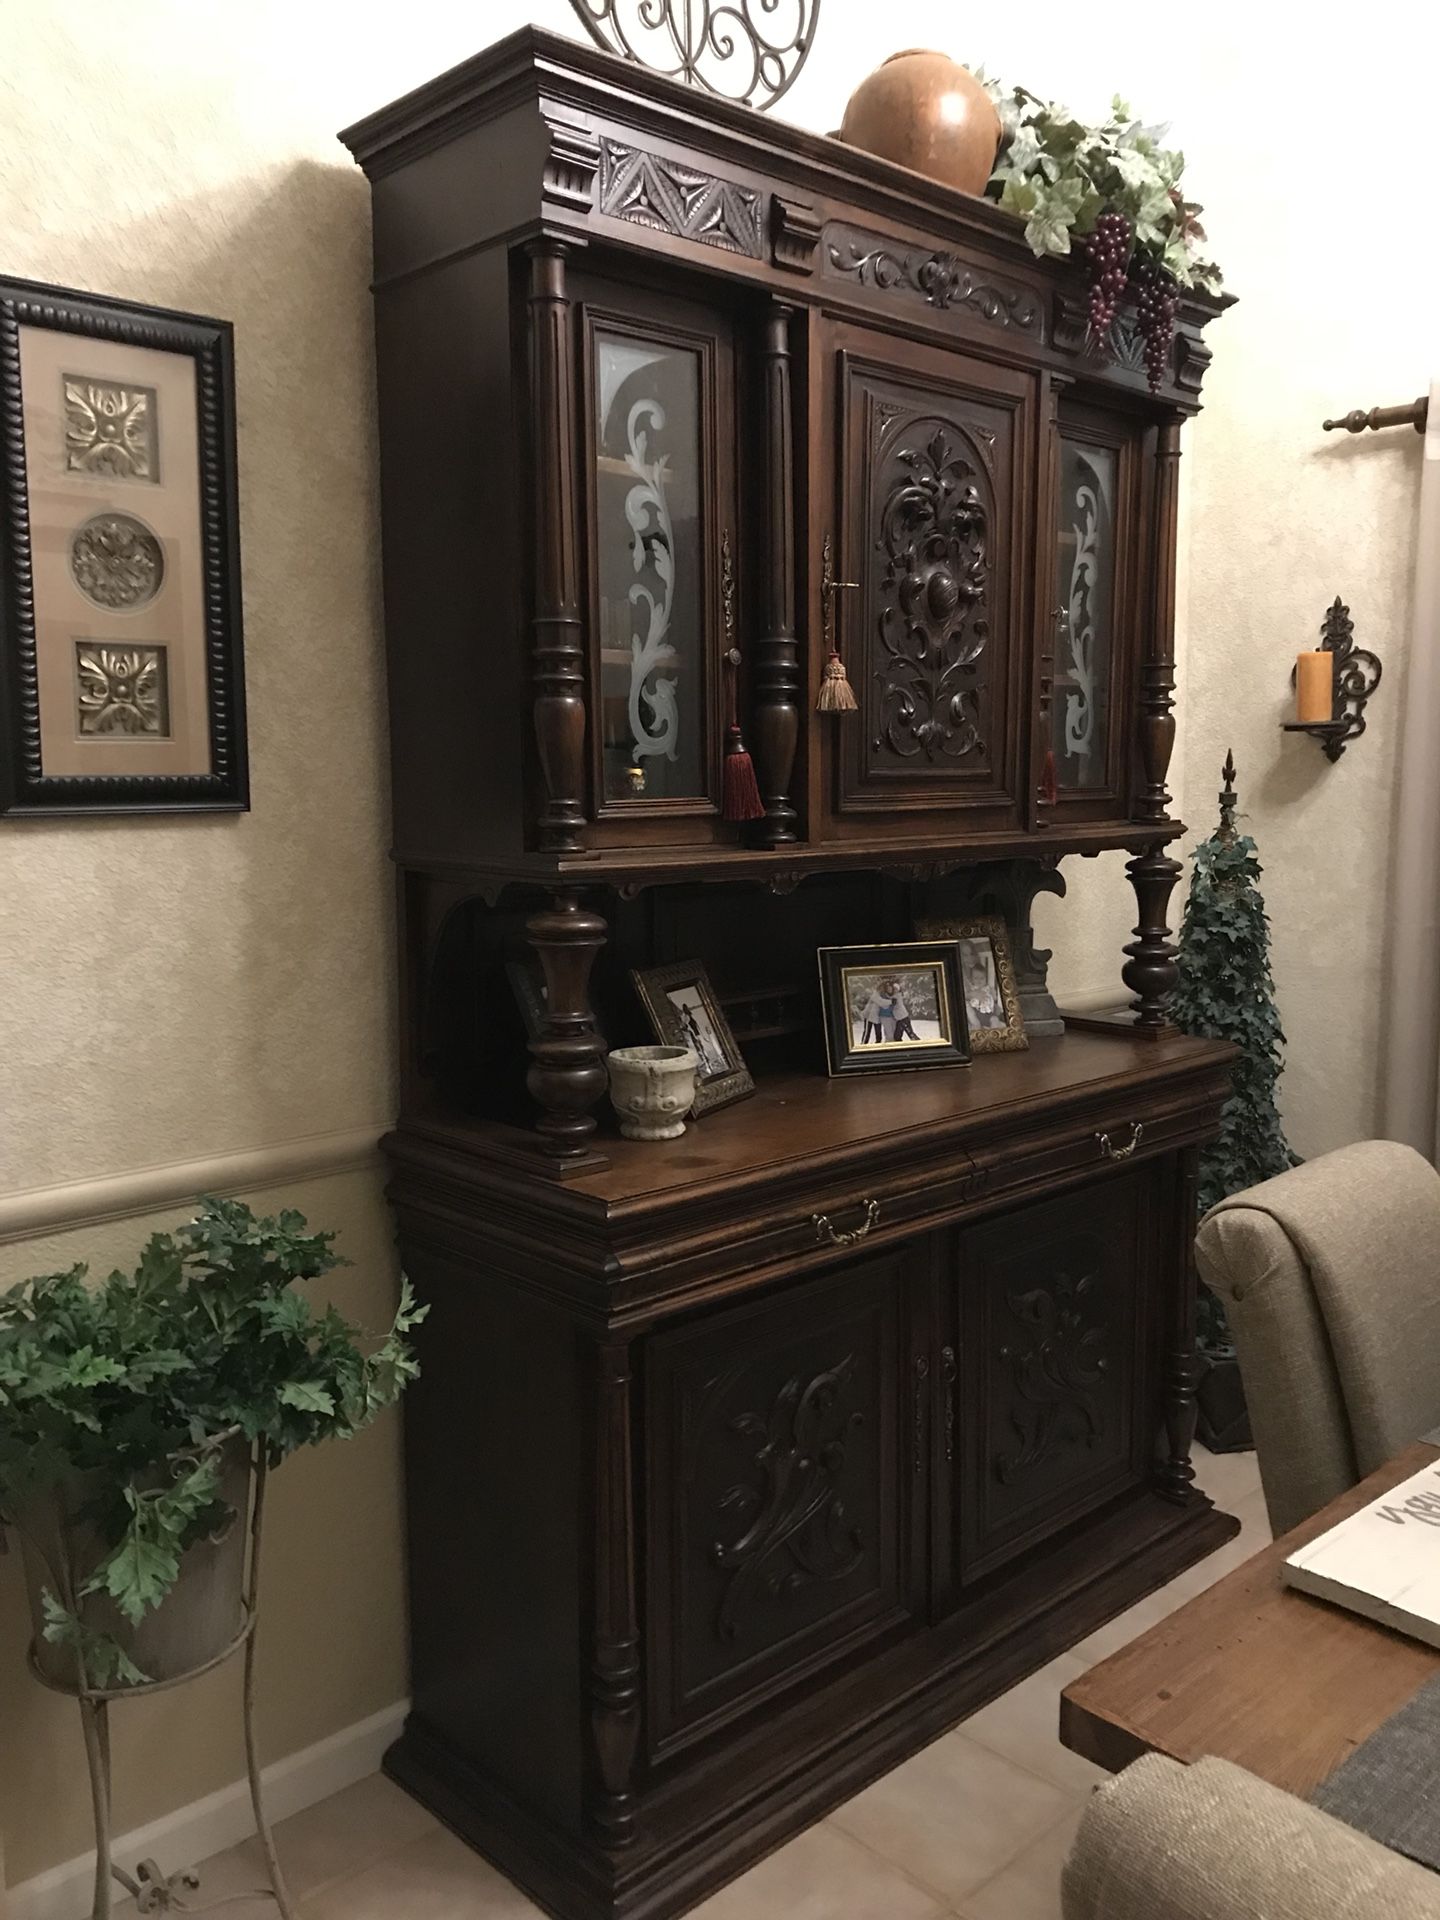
180, 988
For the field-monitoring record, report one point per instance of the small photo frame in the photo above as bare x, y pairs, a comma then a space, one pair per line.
987, 982
892, 1007
684, 1012
121, 676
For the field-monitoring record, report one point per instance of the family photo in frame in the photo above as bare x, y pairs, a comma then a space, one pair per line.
684, 1012
987, 981
893, 1006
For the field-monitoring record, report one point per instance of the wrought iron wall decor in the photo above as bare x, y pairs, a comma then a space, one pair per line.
1356, 676
121, 680
746, 50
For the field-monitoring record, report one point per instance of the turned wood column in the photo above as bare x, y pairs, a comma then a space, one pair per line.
557, 643
1150, 970
567, 1071
614, 1663
1181, 1372
1157, 671
776, 728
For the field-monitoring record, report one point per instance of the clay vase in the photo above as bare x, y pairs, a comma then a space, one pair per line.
925, 111
652, 1089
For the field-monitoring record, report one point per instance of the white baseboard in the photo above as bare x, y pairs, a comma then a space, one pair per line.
191, 1834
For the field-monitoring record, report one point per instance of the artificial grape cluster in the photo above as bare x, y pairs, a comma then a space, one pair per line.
1156, 301
1107, 254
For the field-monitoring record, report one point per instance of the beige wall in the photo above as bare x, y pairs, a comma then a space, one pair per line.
190, 987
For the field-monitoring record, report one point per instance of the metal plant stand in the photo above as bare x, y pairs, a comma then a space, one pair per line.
154, 1891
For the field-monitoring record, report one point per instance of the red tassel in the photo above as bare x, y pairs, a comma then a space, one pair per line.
740, 794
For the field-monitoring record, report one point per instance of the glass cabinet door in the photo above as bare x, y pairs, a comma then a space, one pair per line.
660, 500
1085, 618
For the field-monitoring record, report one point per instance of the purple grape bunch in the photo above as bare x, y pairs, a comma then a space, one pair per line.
1156, 300
1107, 254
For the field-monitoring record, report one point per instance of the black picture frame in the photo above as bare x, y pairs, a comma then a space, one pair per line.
26, 789
842, 969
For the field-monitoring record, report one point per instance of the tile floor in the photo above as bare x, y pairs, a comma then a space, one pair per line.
974, 1828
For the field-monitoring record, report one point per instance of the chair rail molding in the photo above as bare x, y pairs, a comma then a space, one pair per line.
31, 1212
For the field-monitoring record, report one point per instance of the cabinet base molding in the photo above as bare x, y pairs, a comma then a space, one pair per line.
696, 1835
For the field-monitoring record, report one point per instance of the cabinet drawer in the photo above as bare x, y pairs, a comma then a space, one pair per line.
781, 1493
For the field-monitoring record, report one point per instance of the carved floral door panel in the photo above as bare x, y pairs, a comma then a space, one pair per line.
658, 403
788, 1479
931, 503
1094, 610
1054, 1315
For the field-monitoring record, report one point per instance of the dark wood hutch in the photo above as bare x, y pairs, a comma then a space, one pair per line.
728, 1489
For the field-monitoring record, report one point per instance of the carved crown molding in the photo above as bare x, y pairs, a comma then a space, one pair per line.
655, 191
1125, 345
941, 279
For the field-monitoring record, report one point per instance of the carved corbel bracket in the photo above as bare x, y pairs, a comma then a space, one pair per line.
571, 166
794, 234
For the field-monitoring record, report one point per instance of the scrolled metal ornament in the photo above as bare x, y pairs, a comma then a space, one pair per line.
745, 50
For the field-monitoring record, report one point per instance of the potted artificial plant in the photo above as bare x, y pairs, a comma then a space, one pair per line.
133, 1417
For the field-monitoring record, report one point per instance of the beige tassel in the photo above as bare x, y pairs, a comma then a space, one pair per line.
836, 694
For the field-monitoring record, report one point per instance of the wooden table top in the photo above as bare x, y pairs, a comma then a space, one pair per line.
1280, 1682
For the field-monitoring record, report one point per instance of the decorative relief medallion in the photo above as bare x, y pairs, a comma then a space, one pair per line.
793, 1529
1056, 1359
658, 192
110, 429
654, 717
121, 690
941, 278
932, 625
117, 562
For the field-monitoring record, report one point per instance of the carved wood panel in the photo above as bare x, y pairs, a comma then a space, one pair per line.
1054, 1316
931, 533
780, 1492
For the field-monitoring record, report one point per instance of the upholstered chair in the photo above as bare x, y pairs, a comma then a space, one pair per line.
1164, 1841
1330, 1275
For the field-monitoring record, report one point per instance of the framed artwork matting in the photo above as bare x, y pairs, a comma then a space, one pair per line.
121, 668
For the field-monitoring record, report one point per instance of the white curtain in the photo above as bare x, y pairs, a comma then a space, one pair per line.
1410, 1087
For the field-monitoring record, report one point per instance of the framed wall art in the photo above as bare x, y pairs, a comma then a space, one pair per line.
684, 1012
121, 671
987, 982
893, 1006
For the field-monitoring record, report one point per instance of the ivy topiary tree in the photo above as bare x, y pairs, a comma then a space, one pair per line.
1225, 992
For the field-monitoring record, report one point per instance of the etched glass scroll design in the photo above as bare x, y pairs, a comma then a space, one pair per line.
650, 568
1086, 563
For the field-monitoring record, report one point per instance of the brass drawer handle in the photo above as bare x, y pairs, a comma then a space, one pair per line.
1111, 1152
824, 1230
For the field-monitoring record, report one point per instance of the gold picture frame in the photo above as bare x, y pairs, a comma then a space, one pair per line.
684, 1012
991, 996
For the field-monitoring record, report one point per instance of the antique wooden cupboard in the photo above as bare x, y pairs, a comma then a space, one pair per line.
743, 1465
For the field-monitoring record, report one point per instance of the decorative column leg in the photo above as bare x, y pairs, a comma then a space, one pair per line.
252, 1750
1150, 971
567, 1074
614, 1681
557, 643
776, 727
1181, 1365
1157, 672
95, 1724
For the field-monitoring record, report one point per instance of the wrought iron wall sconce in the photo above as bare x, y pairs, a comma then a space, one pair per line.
1354, 676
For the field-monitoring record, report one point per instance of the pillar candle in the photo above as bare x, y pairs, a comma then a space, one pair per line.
1314, 688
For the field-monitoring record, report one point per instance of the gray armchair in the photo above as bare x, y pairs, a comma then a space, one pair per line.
1164, 1841
1330, 1275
